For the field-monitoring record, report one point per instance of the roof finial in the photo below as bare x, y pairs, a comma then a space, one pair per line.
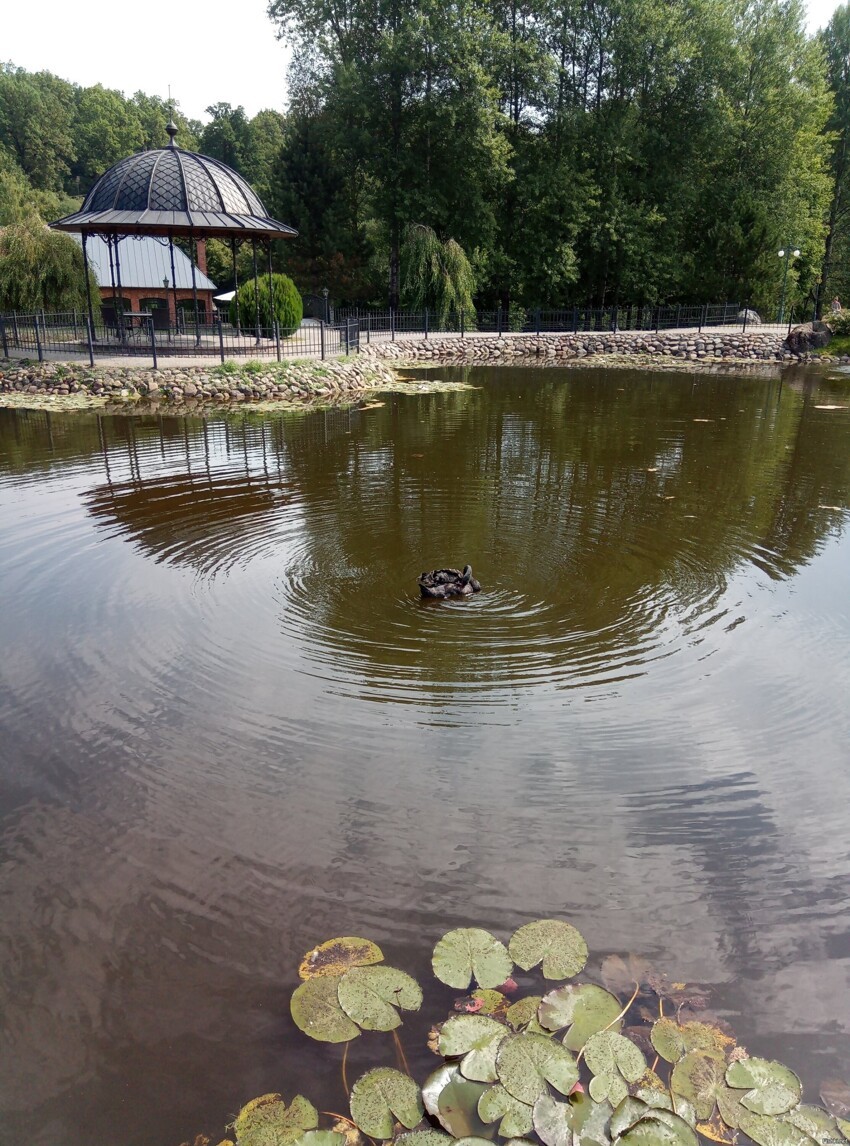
171, 127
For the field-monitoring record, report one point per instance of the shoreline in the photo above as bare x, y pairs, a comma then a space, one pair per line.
308, 384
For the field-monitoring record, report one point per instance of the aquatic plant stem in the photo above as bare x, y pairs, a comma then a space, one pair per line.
402, 1060
345, 1085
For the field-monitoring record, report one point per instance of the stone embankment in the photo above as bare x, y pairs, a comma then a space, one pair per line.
293, 382
556, 349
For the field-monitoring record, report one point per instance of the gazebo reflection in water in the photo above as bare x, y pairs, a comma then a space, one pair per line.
171, 194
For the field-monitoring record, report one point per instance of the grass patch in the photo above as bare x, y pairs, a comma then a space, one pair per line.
838, 345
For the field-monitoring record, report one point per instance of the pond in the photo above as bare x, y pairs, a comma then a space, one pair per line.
230, 728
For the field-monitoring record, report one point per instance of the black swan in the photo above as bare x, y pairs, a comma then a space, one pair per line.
443, 583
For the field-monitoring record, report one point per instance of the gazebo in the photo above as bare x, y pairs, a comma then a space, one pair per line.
171, 193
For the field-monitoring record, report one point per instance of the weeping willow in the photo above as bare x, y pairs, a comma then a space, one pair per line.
436, 274
41, 269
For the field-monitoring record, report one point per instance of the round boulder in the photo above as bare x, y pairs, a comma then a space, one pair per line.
808, 336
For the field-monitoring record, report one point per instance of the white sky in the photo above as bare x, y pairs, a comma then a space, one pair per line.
214, 52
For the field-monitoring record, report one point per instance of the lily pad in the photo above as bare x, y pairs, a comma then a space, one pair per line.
270, 1116
525, 1063
661, 1128
453, 1101
477, 1038
621, 976
428, 1137
584, 1008
768, 1131
698, 1077
471, 953
336, 956
552, 942
316, 1011
666, 1036
606, 1051
772, 1088
814, 1122
632, 1110
308, 1138
370, 995
496, 1103
380, 1096
523, 1011
554, 1121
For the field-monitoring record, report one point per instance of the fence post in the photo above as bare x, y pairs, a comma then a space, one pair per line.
744, 327
426, 322
38, 341
392, 325
89, 339
657, 318
322, 336
277, 338
153, 343
220, 338
790, 319
15, 330
615, 320
499, 320
75, 324
462, 327
368, 328
3, 337
537, 321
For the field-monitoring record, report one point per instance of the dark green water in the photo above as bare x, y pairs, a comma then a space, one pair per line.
230, 729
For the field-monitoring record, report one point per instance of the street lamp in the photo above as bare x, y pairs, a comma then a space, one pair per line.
325, 293
785, 254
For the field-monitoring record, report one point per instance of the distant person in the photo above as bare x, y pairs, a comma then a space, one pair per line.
835, 305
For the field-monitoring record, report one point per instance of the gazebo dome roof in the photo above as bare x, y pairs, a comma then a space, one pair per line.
172, 191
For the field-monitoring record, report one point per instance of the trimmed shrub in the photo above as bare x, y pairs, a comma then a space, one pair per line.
288, 309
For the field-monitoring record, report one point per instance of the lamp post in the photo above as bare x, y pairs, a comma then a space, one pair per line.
786, 254
325, 293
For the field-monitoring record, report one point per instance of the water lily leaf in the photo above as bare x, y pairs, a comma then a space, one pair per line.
631, 1110
774, 1088
611, 1086
382, 1095
308, 1138
608, 1051
698, 1077
844, 1127
658, 1098
492, 1002
336, 956
729, 1105
270, 1116
666, 1036
525, 1063
370, 995
584, 1008
620, 975
473, 1141
523, 1011
453, 1101
470, 952
553, 1121
835, 1095
423, 1138
316, 1011
477, 1038
813, 1121
552, 942
515, 1116
768, 1131
660, 1129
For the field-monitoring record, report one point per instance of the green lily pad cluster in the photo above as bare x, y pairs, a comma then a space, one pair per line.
579, 1064
346, 990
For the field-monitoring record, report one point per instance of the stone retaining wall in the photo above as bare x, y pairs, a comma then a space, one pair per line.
551, 349
286, 381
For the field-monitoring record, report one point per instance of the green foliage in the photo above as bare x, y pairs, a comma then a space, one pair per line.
40, 269
279, 303
436, 274
530, 1083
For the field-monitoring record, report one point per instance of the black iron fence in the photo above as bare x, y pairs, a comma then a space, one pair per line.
70, 334
381, 324
152, 335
